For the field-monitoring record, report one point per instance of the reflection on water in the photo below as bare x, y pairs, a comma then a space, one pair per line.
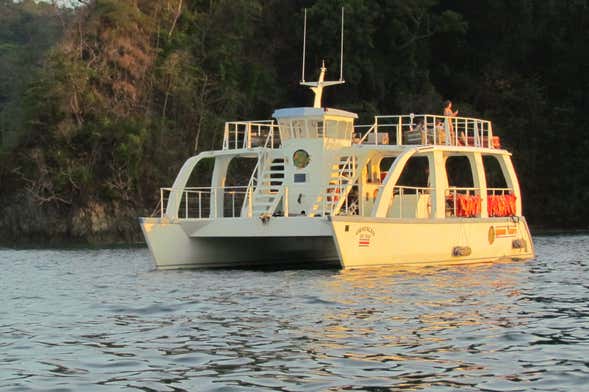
102, 320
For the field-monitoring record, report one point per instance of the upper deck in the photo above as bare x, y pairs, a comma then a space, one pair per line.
338, 126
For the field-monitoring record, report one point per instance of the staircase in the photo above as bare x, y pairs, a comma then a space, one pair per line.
342, 177
270, 187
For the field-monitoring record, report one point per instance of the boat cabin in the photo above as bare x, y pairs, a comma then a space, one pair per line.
316, 162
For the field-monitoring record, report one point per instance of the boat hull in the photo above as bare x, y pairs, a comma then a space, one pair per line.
175, 246
369, 242
341, 241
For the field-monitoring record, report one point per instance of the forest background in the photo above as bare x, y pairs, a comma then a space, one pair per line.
101, 102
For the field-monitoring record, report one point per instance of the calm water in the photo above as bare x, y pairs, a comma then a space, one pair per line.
103, 320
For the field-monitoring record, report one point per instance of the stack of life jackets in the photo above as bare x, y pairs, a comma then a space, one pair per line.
467, 206
501, 205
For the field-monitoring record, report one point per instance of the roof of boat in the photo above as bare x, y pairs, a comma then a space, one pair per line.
311, 112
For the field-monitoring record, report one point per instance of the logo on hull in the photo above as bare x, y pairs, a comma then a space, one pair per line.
365, 234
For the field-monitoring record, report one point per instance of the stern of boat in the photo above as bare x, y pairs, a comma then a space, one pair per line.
168, 243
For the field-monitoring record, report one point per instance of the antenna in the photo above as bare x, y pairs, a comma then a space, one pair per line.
341, 63
304, 46
317, 87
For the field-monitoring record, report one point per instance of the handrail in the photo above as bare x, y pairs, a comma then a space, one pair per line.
429, 129
502, 191
455, 209
350, 165
201, 202
250, 190
371, 129
248, 134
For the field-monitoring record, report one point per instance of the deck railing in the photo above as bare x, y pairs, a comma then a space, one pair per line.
464, 202
501, 202
427, 129
467, 202
406, 202
249, 134
200, 202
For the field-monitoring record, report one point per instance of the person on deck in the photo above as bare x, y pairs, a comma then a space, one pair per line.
448, 113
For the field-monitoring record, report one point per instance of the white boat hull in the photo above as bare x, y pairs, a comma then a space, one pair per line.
221, 244
368, 242
344, 241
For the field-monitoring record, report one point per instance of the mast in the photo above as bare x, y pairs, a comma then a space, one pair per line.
317, 87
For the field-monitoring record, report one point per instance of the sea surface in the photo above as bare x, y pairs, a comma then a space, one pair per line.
104, 320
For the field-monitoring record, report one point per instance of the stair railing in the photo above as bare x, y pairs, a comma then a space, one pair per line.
252, 183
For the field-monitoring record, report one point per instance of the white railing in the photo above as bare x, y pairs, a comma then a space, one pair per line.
200, 202
428, 129
410, 202
501, 202
499, 191
247, 207
346, 177
457, 196
249, 134
326, 203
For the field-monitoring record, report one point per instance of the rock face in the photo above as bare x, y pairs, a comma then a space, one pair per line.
24, 221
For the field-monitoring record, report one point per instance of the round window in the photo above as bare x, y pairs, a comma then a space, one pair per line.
301, 158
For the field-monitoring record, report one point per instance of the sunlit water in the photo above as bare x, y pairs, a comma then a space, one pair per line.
89, 320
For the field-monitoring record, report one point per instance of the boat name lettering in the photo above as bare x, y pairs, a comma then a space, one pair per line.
365, 229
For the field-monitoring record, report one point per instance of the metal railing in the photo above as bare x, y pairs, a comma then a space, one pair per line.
249, 134
428, 129
501, 202
499, 191
334, 203
200, 202
463, 202
399, 192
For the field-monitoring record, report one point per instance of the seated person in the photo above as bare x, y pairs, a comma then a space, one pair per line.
440, 133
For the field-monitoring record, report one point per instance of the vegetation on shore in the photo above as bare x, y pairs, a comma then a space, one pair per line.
100, 104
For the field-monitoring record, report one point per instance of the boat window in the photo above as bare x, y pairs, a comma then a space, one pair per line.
415, 173
331, 129
315, 128
320, 128
348, 129
284, 127
300, 177
298, 129
493, 173
459, 172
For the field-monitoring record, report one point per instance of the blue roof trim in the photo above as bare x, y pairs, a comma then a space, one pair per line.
311, 112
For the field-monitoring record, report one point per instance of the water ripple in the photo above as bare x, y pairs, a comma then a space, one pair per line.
103, 320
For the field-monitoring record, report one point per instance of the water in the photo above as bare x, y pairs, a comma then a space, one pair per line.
102, 320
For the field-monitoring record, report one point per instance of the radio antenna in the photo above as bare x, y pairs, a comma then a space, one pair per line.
341, 63
304, 46
317, 87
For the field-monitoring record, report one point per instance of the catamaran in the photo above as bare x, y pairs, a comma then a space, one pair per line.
408, 189
414, 189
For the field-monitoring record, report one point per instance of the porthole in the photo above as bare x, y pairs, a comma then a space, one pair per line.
301, 158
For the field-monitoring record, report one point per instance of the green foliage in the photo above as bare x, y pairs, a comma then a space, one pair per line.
27, 30
105, 101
